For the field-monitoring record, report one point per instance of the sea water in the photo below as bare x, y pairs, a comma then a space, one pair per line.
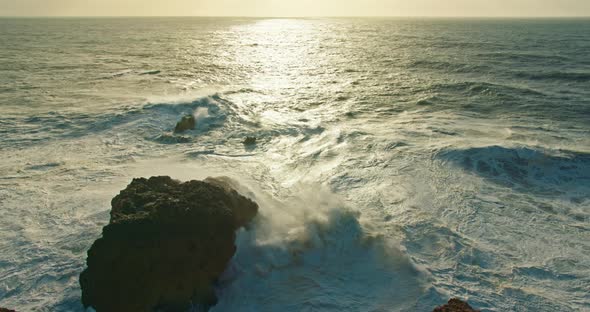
398, 162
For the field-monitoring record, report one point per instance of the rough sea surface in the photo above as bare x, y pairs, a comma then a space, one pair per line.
399, 162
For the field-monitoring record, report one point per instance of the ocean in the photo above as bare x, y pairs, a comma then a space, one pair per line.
399, 161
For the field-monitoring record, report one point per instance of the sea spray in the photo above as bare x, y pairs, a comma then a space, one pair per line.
310, 251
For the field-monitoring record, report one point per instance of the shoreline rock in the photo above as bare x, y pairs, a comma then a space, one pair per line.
166, 244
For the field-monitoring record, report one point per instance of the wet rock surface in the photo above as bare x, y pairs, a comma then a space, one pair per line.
165, 246
455, 305
187, 122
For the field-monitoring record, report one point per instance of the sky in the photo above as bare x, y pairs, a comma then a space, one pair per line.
286, 8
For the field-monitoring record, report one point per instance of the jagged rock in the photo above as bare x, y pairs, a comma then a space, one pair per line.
187, 122
455, 305
250, 141
166, 244
6, 310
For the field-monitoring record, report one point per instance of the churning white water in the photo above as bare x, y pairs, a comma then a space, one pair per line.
398, 162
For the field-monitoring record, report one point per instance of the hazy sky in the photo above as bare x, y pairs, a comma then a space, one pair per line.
296, 7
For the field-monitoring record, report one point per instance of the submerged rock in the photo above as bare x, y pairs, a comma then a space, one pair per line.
455, 305
166, 244
187, 122
167, 138
250, 141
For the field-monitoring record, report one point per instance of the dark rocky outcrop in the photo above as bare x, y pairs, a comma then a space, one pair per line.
6, 310
187, 122
455, 305
166, 244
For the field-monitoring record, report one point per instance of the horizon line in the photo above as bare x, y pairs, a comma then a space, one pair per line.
307, 16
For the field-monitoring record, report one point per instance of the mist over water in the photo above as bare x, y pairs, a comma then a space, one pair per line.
398, 161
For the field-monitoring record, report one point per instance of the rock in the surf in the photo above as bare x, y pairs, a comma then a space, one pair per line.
167, 138
187, 122
166, 244
249, 141
455, 305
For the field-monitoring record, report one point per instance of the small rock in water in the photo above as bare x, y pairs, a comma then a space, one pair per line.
187, 122
455, 305
172, 139
250, 141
